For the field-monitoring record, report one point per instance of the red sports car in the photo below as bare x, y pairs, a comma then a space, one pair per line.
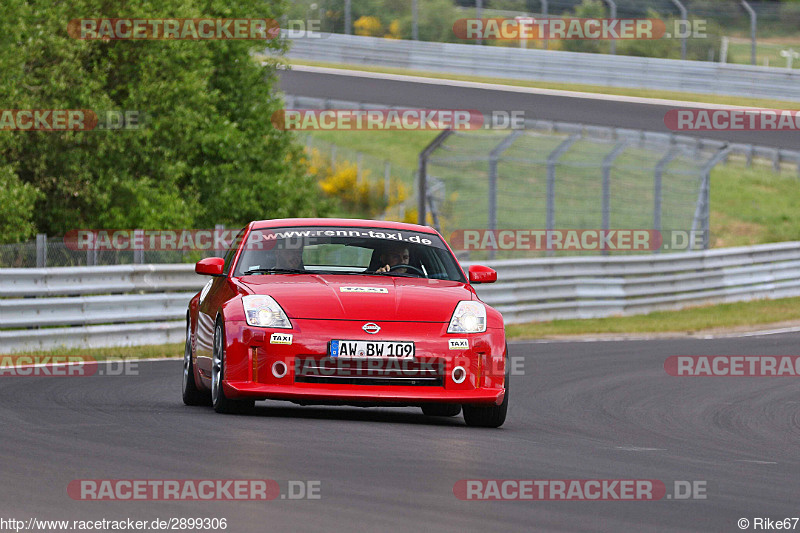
336, 311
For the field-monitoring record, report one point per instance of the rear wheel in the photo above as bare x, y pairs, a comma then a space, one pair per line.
441, 409
191, 394
492, 416
221, 403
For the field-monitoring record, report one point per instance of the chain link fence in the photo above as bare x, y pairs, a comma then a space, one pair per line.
48, 251
569, 177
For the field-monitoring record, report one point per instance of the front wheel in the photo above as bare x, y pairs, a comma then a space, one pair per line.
492, 416
221, 403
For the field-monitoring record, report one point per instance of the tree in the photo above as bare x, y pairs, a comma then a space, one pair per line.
206, 152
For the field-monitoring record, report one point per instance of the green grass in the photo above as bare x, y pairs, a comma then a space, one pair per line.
579, 87
110, 354
739, 52
753, 206
690, 320
401, 150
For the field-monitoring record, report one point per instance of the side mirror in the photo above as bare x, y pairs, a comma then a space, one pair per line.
210, 266
482, 274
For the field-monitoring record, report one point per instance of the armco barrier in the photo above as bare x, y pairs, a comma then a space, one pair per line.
49, 308
146, 304
554, 66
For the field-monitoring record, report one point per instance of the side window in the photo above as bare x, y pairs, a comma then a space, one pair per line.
231, 253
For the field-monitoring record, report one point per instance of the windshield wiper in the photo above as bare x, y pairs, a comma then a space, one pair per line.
275, 271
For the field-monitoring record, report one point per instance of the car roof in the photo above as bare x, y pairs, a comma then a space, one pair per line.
340, 222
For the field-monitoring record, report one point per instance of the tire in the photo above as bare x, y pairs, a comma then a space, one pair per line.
492, 416
441, 409
191, 394
219, 401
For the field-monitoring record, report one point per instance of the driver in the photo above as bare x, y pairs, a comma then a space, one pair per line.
290, 258
396, 254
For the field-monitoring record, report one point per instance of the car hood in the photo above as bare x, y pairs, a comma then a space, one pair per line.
371, 298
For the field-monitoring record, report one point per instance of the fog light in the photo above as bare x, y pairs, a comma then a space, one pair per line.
279, 369
459, 374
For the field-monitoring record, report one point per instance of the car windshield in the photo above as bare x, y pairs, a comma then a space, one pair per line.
347, 250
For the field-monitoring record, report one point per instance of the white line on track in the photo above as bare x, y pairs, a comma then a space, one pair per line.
514, 88
88, 361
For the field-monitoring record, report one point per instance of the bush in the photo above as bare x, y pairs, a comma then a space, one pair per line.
368, 26
362, 198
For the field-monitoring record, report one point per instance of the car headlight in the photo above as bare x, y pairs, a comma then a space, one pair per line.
469, 317
264, 311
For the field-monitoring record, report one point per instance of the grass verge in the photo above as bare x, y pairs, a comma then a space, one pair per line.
118, 353
730, 316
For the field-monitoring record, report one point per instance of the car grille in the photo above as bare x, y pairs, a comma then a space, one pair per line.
327, 370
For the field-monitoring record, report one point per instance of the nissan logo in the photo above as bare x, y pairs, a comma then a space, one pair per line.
371, 328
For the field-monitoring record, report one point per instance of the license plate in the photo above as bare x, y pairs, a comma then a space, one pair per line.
362, 349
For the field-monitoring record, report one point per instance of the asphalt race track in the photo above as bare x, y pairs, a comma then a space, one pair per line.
584, 110
579, 410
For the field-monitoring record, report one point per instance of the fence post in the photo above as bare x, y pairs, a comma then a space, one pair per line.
91, 256
41, 250
683, 18
387, 181
494, 157
544, 15
479, 14
414, 21
753, 28
659, 172
348, 17
422, 174
218, 229
138, 252
552, 161
702, 216
608, 162
613, 6
359, 167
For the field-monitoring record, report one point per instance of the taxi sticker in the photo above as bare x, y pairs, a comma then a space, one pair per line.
459, 344
280, 338
373, 290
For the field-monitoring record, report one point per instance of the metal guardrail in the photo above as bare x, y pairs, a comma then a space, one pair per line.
79, 309
592, 287
51, 308
555, 66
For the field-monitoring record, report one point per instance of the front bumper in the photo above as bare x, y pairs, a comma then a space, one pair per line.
259, 367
